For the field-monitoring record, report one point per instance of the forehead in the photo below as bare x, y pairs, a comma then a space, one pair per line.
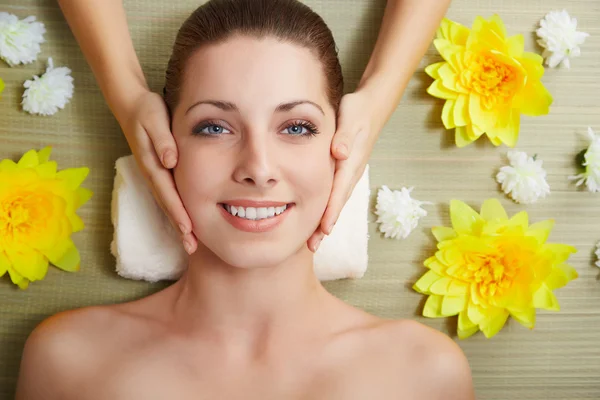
250, 70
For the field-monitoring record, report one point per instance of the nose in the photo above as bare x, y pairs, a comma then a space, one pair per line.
256, 164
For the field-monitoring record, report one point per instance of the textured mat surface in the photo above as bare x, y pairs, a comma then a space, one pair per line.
559, 359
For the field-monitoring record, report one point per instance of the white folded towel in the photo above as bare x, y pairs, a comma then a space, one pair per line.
147, 247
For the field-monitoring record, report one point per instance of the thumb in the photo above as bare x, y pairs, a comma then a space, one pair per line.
342, 143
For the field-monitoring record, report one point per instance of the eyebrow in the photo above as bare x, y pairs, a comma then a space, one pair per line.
228, 106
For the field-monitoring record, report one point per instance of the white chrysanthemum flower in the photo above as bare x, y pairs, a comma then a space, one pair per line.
560, 39
524, 180
591, 162
20, 39
598, 254
45, 94
398, 213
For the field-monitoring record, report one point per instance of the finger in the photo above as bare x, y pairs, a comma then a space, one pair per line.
340, 192
190, 242
166, 193
342, 142
315, 240
163, 141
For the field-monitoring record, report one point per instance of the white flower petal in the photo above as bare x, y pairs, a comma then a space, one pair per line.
598, 254
20, 39
559, 37
591, 176
524, 180
46, 94
398, 213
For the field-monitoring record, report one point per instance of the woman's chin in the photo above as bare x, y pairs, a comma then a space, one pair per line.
256, 255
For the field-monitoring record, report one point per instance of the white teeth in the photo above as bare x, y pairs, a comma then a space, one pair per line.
250, 213
255, 213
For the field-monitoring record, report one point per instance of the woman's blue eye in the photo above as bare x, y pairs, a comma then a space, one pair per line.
210, 130
302, 128
296, 130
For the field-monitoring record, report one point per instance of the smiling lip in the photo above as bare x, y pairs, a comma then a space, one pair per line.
255, 204
254, 226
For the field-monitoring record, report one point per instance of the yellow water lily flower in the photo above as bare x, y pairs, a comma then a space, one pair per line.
37, 216
489, 267
487, 80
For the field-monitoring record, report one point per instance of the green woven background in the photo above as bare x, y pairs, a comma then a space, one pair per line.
559, 359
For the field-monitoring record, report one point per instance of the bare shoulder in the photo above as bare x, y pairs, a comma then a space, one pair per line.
66, 348
437, 365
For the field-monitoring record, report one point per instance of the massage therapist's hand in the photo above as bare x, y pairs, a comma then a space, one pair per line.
358, 127
146, 127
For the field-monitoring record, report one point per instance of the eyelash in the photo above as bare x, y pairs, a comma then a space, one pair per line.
309, 126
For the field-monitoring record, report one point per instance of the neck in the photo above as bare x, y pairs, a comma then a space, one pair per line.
230, 303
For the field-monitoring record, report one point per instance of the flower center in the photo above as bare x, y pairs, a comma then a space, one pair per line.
492, 273
494, 81
19, 214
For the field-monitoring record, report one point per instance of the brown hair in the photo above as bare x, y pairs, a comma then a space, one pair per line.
286, 20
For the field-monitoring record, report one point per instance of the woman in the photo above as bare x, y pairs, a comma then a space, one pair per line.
253, 105
100, 27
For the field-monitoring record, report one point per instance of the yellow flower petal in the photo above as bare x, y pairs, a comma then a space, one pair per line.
18, 279
492, 210
516, 45
561, 251
464, 218
484, 119
452, 305
4, 263
510, 133
29, 160
436, 89
541, 230
440, 286
498, 25
69, 261
461, 111
525, 317
521, 220
536, 100
533, 65
73, 176
448, 114
44, 154
7, 165
544, 298
82, 196
466, 327
475, 313
424, 283
433, 307
442, 233
492, 325
461, 138
432, 70
560, 276
446, 48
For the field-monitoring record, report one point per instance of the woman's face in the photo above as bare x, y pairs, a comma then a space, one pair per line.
253, 128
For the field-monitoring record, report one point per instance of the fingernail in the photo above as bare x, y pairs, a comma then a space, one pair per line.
317, 245
330, 227
187, 246
183, 229
342, 149
169, 159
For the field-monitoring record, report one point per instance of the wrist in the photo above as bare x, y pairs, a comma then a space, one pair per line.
382, 94
123, 102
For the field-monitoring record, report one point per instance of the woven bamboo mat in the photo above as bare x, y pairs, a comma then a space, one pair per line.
559, 359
